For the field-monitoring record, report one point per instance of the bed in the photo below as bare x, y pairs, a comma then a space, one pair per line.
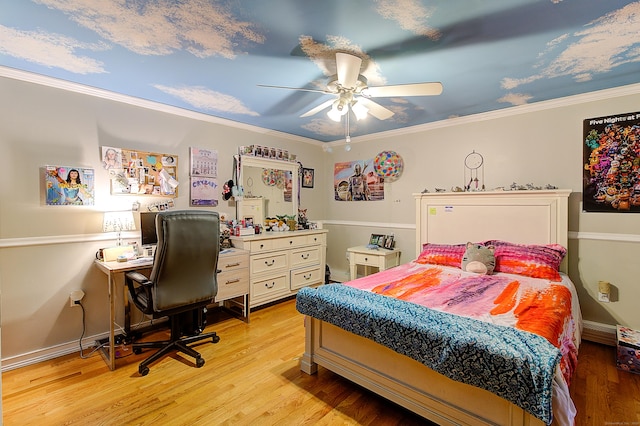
350, 327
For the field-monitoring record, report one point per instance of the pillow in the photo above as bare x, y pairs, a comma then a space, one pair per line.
532, 260
442, 254
479, 259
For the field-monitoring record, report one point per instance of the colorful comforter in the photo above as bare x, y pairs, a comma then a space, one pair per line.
509, 334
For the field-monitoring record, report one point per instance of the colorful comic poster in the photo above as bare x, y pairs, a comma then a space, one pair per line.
204, 191
69, 186
204, 162
357, 181
611, 164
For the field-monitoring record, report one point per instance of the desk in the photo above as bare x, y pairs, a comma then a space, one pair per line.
233, 284
381, 258
112, 269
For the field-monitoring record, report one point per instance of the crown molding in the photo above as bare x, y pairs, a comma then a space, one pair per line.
632, 89
56, 83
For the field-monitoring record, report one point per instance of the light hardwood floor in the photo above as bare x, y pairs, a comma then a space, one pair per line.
252, 377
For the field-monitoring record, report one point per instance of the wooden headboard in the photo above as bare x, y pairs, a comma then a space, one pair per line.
525, 217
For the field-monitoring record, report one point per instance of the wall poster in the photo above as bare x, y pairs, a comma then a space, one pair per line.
203, 172
357, 181
140, 172
611, 160
69, 186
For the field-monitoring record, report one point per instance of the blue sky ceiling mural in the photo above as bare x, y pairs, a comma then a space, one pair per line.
212, 56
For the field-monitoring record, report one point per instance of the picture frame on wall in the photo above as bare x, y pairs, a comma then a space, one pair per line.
307, 177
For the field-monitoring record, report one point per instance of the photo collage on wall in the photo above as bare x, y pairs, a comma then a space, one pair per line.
141, 172
611, 172
203, 173
357, 181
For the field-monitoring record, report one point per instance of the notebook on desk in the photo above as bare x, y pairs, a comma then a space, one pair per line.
112, 253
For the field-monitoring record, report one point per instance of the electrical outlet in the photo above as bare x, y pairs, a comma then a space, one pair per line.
75, 297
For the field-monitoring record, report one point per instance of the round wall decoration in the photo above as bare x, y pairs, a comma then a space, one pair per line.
389, 165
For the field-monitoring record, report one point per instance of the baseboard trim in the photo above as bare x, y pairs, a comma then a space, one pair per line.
599, 333
46, 354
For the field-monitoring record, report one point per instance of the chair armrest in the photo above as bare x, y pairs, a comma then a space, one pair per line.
138, 277
140, 289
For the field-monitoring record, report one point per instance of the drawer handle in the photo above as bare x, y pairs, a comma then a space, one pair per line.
290, 242
366, 259
273, 283
261, 245
270, 264
231, 265
305, 256
307, 277
233, 281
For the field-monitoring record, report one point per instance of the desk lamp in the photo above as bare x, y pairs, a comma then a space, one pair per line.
118, 222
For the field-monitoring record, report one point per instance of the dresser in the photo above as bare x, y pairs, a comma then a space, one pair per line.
280, 263
233, 281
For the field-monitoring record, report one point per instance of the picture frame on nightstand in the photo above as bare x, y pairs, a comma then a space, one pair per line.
389, 242
376, 240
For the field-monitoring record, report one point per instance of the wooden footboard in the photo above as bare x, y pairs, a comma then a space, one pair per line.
404, 380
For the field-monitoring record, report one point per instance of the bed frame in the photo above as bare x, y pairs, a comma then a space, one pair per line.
527, 217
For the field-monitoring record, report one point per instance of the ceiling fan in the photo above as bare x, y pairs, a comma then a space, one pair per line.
352, 92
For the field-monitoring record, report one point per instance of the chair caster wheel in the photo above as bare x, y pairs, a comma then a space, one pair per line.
137, 351
199, 362
215, 339
143, 370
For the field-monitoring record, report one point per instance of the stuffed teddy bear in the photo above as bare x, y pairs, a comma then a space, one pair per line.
479, 259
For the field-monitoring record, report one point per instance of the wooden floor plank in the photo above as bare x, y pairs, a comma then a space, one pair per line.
252, 377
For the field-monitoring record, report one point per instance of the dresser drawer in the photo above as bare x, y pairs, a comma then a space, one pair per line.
316, 239
366, 259
232, 284
305, 277
268, 287
232, 262
261, 245
288, 242
269, 262
305, 256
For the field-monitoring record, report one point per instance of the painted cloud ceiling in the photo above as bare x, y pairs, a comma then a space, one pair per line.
210, 56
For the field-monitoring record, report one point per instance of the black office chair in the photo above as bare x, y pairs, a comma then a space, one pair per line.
182, 282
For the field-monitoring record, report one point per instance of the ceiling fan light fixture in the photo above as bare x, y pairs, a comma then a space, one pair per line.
359, 110
334, 114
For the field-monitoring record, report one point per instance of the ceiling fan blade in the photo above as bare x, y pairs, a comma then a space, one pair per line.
348, 69
295, 88
318, 108
416, 89
377, 110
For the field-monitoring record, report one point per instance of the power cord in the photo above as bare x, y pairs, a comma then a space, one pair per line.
82, 355
97, 348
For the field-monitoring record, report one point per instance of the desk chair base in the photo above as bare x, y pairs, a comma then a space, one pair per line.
175, 343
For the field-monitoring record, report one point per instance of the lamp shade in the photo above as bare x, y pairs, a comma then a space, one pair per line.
118, 221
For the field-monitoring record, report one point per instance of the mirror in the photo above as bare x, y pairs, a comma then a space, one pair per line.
270, 188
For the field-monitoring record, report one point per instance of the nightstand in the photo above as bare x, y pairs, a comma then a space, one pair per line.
381, 259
